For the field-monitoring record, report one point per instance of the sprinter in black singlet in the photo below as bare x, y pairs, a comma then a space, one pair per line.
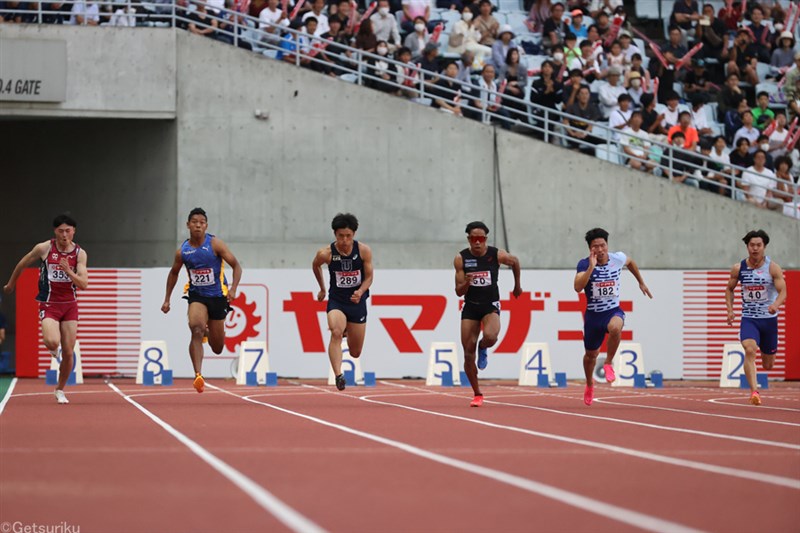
350, 268
477, 269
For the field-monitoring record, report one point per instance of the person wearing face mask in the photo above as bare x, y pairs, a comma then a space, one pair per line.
635, 90
417, 40
465, 37
379, 70
413, 10
762, 143
385, 26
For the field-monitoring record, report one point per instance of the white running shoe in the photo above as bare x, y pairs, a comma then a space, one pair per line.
61, 397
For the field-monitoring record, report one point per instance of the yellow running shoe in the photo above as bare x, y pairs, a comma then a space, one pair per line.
199, 383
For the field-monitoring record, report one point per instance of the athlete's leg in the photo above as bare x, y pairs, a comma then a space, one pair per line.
198, 318
750, 351
491, 328
589, 361
614, 335
216, 335
337, 322
69, 334
355, 338
767, 360
51, 334
470, 329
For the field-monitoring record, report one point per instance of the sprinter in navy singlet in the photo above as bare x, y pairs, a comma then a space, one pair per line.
350, 273
763, 293
477, 269
599, 276
208, 291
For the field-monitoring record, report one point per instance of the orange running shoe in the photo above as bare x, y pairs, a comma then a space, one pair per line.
477, 401
755, 398
199, 383
588, 395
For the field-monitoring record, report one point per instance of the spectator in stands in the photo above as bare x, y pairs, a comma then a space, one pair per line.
610, 91
465, 67
778, 136
676, 162
733, 119
619, 119
334, 54
699, 117
748, 131
644, 75
579, 129
602, 25
651, 119
784, 189
586, 62
714, 171
635, 142
731, 16
712, 32
537, 15
762, 114
628, 47
791, 89
430, 61
605, 6
502, 46
488, 98
673, 52
413, 10
684, 126
696, 80
466, 37
761, 33
572, 86
615, 57
385, 26
255, 7
406, 74
418, 39
741, 157
762, 143
783, 55
743, 58
729, 97
671, 113
576, 25
86, 12
554, 28
758, 182
322, 20
201, 22
546, 91
487, 24
380, 69
270, 21
684, 14
343, 11
570, 50
445, 92
516, 77
559, 65
635, 90
366, 40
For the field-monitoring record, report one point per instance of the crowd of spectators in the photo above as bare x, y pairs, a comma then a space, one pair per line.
682, 113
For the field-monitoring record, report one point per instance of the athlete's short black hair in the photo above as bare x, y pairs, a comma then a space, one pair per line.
477, 225
596, 233
756, 233
64, 219
197, 211
345, 221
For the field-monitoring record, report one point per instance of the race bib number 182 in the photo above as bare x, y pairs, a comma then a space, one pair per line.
603, 290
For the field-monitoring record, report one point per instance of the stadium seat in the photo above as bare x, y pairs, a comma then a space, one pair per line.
608, 152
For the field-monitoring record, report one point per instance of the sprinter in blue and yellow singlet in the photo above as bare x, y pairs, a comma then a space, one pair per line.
763, 293
350, 272
207, 290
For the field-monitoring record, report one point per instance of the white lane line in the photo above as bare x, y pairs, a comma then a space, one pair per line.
718, 402
8, 394
695, 465
265, 499
69, 390
606, 510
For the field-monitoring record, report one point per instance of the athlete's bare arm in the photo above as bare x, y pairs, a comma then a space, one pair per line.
172, 279
222, 250
505, 258
366, 258
463, 280
780, 285
81, 275
733, 281
38, 253
582, 278
631, 264
323, 257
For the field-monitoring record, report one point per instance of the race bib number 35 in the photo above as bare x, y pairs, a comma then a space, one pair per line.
55, 273
202, 277
348, 280
603, 290
481, 279
755, 293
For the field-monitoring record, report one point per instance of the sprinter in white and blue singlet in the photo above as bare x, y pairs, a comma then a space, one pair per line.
477, 269
207, 290
763, 293
599, 276
350, 273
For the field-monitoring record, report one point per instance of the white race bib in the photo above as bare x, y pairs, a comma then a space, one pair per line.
348, 280
755, 294
481, 279
605, 290
55, 273
201, 277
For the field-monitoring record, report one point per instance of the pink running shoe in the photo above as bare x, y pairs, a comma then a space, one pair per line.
588, 395
755, 398
610, 375
477, 401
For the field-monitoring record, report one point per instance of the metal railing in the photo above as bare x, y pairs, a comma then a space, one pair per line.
469, 100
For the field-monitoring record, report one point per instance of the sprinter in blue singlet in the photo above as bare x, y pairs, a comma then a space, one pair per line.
763, 293
207, 290
350, 273
599, 277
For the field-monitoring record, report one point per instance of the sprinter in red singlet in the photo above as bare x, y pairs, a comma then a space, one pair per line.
62, 270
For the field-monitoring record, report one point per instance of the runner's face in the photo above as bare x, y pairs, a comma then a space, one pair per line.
756, 249
64, 234
600, 249
197, 226
477, 241
344, 239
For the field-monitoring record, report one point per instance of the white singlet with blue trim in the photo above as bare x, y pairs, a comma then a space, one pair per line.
758, 290
602, 291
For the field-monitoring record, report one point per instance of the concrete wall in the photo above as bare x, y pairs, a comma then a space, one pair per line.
109, 72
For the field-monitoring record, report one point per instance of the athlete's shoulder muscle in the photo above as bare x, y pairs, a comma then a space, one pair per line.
323, 255
366, 251
40, 250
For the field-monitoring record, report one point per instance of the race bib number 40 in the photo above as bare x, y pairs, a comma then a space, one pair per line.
201, 277
755, 293
55, 273
348, 280
604, 290
481, 279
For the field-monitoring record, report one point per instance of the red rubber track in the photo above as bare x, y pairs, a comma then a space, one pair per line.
102, 464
